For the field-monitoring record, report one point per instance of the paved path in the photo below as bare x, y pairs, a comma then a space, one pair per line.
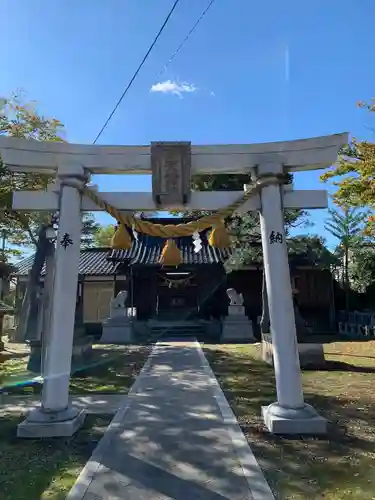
175, 438
97, 404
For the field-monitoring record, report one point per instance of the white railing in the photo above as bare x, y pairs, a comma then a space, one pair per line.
356, 324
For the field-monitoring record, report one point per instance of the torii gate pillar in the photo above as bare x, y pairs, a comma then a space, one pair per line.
56, 417
290, 414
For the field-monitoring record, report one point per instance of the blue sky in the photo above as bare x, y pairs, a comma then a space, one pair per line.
262, 71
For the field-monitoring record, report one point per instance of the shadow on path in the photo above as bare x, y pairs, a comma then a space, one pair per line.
172, 442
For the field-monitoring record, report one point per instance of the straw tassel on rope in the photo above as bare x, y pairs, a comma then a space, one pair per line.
121, 240
170, 255
219, 237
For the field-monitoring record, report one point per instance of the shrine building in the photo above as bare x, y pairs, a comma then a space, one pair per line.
192, 294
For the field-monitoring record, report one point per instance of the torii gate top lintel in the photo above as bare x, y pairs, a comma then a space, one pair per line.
301, 154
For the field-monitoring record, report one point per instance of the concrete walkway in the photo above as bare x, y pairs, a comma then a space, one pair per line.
175, 438
97, 404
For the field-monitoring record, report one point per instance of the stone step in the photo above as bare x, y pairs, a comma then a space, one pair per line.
174, 329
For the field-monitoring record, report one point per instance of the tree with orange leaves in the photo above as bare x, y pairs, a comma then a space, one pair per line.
356, 172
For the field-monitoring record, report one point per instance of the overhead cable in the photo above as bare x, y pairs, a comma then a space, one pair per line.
137, 71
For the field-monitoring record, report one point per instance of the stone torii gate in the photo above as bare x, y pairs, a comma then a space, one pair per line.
72, 164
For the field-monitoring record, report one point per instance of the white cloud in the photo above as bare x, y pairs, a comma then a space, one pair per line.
171, 87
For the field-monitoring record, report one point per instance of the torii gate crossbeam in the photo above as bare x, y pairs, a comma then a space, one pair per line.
200, 200
303, 154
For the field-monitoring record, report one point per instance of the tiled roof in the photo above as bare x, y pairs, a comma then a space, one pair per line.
147, 250
92, 261
106, 262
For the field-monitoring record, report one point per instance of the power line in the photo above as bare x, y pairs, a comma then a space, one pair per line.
137, 71
190, 32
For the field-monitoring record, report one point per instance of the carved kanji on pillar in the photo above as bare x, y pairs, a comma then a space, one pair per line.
171, 165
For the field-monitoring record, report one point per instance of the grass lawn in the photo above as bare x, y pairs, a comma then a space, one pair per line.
13, 361
48, 468
44, 469
339, 467
110, 370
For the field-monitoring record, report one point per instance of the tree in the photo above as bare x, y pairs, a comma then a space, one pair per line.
356, 172
104, 236
347, 225
7, 253
313, 248
362, 268
244, 230
27, 237
21, 120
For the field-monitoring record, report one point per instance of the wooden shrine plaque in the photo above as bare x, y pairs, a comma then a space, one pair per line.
171, 167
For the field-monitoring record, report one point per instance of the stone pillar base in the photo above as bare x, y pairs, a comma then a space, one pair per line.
81, 352
237, 329
293, 421
34, 362
117, 331
43, 424
309, 354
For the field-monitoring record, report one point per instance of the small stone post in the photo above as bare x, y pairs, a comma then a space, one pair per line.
5, 270
47, 301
